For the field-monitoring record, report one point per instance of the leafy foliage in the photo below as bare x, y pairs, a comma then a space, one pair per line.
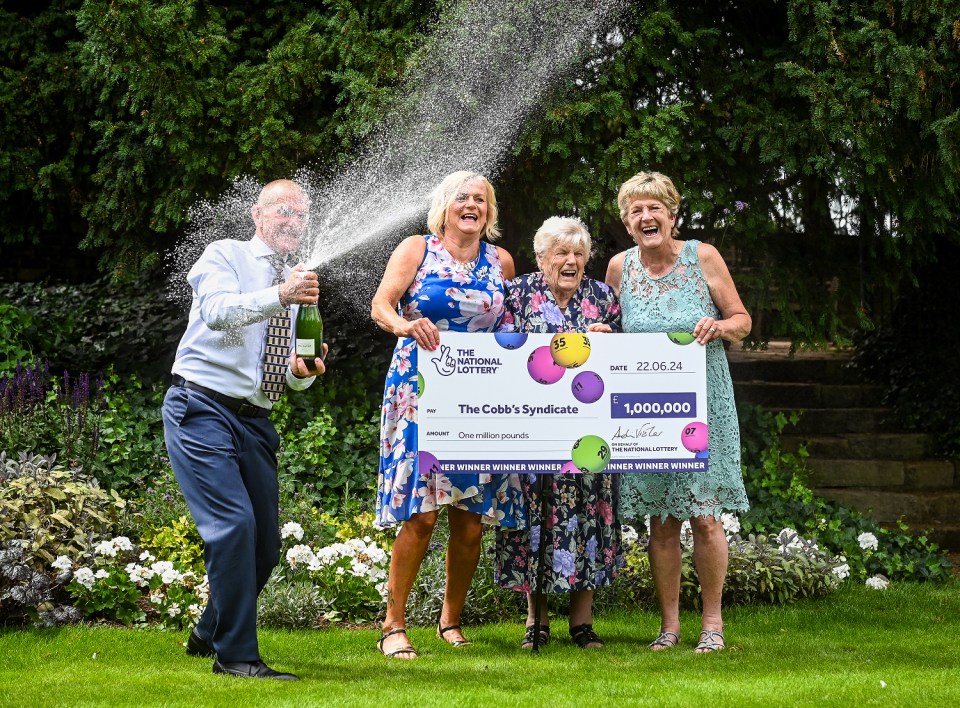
759, 572
57, 511
14, 350
97, 326
330, 432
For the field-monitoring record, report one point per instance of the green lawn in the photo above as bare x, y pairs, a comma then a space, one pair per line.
837, 651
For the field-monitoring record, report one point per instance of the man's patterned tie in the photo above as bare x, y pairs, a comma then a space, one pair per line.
277, 349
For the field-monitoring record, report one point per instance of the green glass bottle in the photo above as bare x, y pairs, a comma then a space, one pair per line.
309, 335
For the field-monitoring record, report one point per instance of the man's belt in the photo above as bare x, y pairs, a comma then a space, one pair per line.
237, 405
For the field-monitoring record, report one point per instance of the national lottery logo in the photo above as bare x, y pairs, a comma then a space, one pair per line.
465, 361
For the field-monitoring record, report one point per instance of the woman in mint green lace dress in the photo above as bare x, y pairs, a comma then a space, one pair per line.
667, 285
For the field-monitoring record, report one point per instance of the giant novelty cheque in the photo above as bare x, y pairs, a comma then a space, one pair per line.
563, 403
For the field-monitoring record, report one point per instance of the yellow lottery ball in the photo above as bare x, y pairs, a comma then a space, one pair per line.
570, 350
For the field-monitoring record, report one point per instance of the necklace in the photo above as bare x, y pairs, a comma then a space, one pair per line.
463, 266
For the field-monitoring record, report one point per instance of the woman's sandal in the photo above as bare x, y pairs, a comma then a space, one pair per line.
457, 643
711, 640
408, 649
584, 637
666, 640
527, 641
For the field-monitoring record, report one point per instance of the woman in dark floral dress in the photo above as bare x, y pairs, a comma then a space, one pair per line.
583, 533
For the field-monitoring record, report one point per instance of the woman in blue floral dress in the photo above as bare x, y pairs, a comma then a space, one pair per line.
447, 280
583, 532
668, 285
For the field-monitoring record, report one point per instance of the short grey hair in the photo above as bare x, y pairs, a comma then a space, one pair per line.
561, 230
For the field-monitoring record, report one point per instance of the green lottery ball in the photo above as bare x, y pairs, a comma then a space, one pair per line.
680, 337
590, 453
421, 386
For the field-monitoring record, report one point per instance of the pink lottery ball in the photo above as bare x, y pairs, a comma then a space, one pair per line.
542, 368
694, 436
587, 387
428, 464
570, 468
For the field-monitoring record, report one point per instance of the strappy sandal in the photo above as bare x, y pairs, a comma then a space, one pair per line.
711, 640
456, 643
527, 641
408, 649
666, 640
584, 636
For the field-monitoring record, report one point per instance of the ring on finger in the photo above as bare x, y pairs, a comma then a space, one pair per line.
713, 329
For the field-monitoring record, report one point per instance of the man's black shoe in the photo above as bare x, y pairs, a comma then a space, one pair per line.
251, 669
198, 647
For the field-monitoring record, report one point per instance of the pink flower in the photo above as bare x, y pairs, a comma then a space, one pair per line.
605, 511
590, 311
536, 302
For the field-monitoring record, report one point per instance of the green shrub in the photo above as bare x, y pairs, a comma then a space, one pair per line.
28, 594
178, 542
15, 350
131, 449
118, 581
57, 511
129, 327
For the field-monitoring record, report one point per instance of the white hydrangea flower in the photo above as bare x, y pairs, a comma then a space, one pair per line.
731, 524
139, 574
84, 576
174, 609
62, 563
105, 548
878, 582
156, 597
292, 529
101, 574
161, 567
868, 541
629, 535
194, 611
147, 557
300, 554
122, 543
170, 576
842, 571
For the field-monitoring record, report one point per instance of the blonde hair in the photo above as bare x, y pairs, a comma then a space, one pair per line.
653, 185
561, 230
445, 193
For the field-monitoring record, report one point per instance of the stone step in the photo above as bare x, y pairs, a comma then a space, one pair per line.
924, 474
808, 395
931, 507
839, 421
860, 446
800, 370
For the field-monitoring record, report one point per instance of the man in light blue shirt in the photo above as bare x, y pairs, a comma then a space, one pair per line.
221, 443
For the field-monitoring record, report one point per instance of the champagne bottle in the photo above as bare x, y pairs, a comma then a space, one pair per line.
309, 335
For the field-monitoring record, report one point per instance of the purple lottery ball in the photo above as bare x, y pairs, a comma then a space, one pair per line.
510, 340
694, 436
542, 368
587, 387
428, 463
